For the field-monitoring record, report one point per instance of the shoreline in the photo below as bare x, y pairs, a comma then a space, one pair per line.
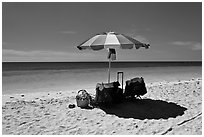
48, 112
91, 89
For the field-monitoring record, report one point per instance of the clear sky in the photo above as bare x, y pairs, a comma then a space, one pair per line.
51, 31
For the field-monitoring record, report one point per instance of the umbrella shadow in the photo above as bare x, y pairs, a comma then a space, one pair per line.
145, 109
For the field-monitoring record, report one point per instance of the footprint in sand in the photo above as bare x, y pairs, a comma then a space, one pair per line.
22, 95
22, 123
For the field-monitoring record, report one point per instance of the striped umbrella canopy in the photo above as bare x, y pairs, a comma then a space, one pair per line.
111, 40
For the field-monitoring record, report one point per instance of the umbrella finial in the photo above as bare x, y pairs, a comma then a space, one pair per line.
110, 32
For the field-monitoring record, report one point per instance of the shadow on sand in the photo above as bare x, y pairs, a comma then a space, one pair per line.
145, 109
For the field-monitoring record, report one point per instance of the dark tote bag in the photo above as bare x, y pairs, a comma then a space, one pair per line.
135, 86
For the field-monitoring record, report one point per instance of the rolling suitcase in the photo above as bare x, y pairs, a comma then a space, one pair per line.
118, 94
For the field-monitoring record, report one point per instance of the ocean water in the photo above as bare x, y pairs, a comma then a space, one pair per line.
26, 77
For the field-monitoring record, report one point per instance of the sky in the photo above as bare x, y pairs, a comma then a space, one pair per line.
51, 31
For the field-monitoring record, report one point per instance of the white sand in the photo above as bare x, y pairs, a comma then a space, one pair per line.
168, 108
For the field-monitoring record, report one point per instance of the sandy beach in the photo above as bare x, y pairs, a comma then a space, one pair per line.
168, 108
53, 50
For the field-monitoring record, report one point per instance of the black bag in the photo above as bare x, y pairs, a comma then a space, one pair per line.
117, 96
105, 93
135, 86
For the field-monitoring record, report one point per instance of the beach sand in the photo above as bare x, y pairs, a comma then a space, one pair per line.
168, 108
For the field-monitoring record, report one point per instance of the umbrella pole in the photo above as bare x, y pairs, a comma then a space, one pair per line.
109, 66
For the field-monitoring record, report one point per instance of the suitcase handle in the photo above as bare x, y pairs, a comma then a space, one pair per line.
118, 73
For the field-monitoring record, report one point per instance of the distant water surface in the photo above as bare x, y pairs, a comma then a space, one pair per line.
19, 66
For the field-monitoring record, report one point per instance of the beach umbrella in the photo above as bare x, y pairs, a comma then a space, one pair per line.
111, 40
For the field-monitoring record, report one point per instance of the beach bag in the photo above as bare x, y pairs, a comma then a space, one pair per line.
135, 86
105, 93
83, 98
